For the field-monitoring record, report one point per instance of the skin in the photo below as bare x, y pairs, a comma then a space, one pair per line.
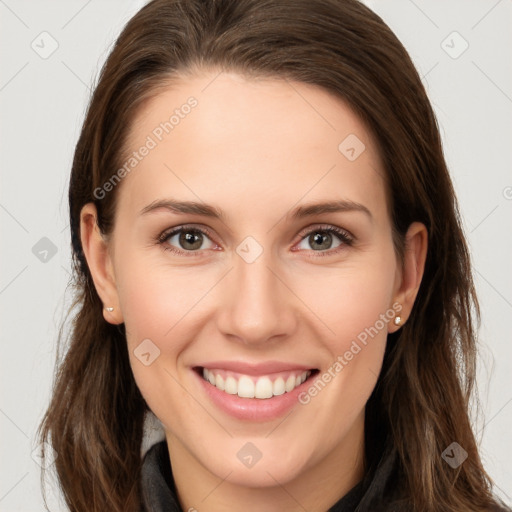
256, 149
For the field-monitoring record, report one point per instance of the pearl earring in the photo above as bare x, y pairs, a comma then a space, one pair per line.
110, 309
398, 320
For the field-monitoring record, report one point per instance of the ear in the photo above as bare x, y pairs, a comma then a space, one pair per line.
99, 261
409, 279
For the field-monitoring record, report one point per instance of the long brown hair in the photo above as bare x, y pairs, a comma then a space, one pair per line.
421, 400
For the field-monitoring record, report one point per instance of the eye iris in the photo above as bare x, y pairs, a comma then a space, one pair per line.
191, 237
322, 238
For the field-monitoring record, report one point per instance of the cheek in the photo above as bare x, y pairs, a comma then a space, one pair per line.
160, 306
355, 307
350, 300
155, 299
358, 313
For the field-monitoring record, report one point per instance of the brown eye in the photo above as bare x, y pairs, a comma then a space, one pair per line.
190, 240
320, 241
324, 239
185, 239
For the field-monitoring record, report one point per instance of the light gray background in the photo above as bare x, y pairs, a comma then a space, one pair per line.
42, 102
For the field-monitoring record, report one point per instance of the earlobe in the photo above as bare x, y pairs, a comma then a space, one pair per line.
99, 261
415, 255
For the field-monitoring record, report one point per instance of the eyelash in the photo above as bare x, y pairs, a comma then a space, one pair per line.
343, 235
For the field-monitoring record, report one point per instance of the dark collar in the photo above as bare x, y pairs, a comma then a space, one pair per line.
159, 493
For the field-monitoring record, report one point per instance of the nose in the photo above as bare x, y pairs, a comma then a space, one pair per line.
256, 306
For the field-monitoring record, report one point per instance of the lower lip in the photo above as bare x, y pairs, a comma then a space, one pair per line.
253, 409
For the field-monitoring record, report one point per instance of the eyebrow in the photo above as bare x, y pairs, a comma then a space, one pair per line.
183, 207
340, 205
206, 210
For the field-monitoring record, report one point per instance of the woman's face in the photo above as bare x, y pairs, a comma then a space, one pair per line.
262, 286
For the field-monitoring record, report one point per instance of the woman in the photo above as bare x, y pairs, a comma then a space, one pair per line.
269, 259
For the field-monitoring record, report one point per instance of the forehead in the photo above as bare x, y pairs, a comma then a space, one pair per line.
231, 139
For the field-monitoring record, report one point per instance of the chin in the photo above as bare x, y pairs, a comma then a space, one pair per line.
271, 464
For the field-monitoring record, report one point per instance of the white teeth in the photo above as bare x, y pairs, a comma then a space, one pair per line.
290, 383
263, 388
245, 387
231, 386
219, 382
249, 387
278, 387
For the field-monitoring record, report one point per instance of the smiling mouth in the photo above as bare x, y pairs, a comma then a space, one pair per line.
251, 386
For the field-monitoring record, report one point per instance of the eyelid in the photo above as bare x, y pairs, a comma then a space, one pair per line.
183, 227
341, 232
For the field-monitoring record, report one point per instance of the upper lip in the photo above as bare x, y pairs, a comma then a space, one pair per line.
255, 369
